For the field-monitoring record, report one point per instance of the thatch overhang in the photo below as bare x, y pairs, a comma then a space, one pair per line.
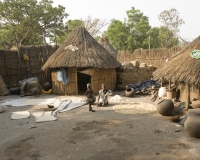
181, 67
80, 50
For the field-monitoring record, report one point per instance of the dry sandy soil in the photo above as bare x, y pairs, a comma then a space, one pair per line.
103, 135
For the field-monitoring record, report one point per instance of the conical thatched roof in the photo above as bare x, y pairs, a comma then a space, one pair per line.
182, 67
105, 43
80, 49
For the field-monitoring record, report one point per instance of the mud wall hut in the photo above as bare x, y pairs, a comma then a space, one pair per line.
84, 61
184, 70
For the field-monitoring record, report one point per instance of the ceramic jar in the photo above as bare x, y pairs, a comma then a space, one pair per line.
165, 107
192, 122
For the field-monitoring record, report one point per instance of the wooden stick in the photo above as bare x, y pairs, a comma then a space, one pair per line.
169, 84
155, 95
188, 97
161, 82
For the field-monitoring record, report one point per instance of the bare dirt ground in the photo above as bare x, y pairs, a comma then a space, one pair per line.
103, 135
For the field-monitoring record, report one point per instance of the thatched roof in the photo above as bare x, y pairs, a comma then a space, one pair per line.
80, 49
182, 67
105, 43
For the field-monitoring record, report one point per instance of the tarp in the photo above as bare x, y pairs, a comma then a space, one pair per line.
61, 76
195, 54
44, 116
143, 85
67, 105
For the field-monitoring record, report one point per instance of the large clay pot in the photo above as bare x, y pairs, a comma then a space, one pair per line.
165, 107
129, 92
192, 123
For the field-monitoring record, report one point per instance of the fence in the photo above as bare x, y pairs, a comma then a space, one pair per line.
154, 57
13, 66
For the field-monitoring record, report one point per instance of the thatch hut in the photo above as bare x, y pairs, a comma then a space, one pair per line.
85, 61
105, 43
183, 70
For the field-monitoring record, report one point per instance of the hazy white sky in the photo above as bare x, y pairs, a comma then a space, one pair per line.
189, 11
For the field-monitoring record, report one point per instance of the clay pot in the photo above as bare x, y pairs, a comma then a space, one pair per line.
169, 95
192, 123
1, 109
165, 107
14, 91
47, 86
129, 92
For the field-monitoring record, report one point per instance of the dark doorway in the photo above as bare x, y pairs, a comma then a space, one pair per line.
83, 79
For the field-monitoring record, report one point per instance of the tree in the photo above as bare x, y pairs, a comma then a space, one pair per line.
27, 21
117, 34
139, 28
134, 30
167, 38
170, 29
94, 25
153, 39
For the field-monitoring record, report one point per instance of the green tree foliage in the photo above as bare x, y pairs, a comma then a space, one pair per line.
118, 34
138, 27
167, 38
130, 34
170, 29
25, 22
153, 39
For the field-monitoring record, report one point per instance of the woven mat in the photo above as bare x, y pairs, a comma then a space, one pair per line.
134, 108
42, 116
20, 115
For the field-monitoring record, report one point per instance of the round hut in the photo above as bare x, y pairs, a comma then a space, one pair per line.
105, 43
83, 61
184, 70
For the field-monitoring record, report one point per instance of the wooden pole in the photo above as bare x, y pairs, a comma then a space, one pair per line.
8, 75
48, 72
169, 85
19, 66
188, 97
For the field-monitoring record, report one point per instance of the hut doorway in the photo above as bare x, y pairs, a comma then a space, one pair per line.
83, 79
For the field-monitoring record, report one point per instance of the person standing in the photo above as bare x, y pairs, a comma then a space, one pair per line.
90, 94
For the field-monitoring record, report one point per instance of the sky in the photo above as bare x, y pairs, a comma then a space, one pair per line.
189, 11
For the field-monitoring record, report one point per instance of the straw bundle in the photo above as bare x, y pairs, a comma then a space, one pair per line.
3, 89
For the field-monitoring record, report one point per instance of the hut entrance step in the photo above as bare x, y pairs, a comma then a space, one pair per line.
82, 81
